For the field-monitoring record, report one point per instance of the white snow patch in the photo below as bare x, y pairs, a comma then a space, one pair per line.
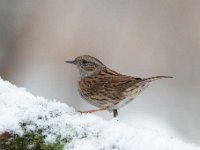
86, 132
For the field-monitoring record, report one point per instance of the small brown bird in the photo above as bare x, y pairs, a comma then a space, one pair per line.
105, 88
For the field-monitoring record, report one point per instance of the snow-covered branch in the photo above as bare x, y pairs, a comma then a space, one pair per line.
31, 122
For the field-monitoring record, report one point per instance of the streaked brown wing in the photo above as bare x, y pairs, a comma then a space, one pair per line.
107, 80
118, 82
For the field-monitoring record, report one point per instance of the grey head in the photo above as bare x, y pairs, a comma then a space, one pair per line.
87, 65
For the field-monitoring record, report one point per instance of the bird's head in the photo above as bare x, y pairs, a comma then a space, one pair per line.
87, 65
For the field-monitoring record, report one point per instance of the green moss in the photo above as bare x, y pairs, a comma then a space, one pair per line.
31, 140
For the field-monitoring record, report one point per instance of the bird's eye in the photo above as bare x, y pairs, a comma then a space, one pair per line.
84, 62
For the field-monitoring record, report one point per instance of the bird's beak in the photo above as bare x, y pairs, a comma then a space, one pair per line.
70, 62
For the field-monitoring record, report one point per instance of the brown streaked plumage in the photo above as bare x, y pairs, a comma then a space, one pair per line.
105, 88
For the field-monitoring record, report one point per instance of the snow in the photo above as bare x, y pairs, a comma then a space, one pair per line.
85, 132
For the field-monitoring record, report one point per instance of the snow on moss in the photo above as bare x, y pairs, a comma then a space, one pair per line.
61, 127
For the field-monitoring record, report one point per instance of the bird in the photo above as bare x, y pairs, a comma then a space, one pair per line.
105, 88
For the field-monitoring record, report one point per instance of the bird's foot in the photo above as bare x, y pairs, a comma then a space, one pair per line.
115, 113
91, 111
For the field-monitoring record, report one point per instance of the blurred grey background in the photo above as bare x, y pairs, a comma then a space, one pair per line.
134, 37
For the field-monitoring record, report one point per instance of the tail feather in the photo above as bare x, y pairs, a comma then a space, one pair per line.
155, 78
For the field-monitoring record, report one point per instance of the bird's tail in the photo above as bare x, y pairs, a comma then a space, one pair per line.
155, 78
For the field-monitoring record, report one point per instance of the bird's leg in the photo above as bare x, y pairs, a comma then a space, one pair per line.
115, 113
92, 110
